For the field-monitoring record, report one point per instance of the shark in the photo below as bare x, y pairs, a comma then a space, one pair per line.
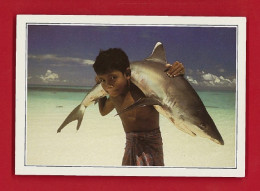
174, 98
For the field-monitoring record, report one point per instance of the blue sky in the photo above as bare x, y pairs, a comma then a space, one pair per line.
63, 55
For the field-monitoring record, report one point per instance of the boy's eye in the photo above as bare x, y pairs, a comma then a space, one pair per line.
113, 77
102, 80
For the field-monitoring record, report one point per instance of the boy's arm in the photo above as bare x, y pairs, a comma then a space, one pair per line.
105, 106
175, 69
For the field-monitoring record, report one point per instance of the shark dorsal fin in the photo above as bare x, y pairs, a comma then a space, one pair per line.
158, 53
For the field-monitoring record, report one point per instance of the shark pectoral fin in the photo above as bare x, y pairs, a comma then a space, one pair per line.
145, 101
76, 114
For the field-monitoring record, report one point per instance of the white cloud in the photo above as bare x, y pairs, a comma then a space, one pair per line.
49, 77
61, 61
88, 62
207, 80
191, 80
209, 77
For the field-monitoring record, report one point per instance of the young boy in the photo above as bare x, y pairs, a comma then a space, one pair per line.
141, 125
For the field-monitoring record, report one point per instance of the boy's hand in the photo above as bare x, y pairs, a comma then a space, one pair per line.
175, 70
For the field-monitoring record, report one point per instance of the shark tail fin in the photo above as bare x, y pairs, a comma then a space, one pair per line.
144, 101
76, 114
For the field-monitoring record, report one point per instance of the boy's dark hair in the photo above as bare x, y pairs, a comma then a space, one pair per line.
111, 59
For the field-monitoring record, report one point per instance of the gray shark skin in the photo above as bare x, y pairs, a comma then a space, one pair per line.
174, 98
94, 94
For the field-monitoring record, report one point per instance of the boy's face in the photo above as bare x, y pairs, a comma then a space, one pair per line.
114, 83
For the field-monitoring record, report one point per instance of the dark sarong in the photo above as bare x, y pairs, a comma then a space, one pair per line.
143, 149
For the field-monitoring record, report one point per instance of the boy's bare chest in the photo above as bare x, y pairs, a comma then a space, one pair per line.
138, 118
127, 99
135, 114
123, 102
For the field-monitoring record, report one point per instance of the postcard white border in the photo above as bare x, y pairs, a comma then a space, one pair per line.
21, 76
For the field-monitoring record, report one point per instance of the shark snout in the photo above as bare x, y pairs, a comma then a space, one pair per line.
218, 141
215, 136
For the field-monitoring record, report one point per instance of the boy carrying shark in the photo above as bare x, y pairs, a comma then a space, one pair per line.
141, 124
138, 100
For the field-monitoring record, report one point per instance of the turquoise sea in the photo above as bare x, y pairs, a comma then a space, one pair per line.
101, 140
